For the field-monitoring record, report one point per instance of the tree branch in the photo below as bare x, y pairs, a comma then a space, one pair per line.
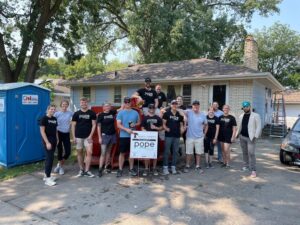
4, 63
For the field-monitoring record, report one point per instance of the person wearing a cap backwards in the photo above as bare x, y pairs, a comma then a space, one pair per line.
197, 123
249, 129
127, 120
147, 94
173, 126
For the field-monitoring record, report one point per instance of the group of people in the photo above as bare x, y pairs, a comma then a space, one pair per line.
200, 131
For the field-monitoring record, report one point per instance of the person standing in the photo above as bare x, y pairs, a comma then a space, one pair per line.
227, 134
106, 135
195, 135
218, 113
48, 130
173, 126
148, 95
127, 121
249, 129
64, 117
83, 128
162, 99
211, 136
151, 122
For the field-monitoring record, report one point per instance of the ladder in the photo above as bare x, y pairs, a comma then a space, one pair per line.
278, 126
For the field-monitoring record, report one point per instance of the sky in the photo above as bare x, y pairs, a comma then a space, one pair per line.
289, 14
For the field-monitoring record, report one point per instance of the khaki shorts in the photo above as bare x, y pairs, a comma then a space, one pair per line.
83, 142
197, 143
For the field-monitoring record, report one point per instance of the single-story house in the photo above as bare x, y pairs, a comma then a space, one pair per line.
202, 79
292, 106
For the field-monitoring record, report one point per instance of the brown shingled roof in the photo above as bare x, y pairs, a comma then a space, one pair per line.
292, 97
193, 69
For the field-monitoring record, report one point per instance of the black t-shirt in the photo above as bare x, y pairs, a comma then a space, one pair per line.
173, 122
107, 121
148, 96
148, 120
245, 121
226, 125
84, 124
161, 98
50, 124
212, 123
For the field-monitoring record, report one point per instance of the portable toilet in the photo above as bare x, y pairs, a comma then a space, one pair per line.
21, 106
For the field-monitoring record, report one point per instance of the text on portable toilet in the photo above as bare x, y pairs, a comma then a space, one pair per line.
30, 99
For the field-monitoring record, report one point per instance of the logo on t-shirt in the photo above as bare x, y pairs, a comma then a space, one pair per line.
151, 120
52, 121
86, 117
211, 121
150, 94
226, 120
174, 118
108, 117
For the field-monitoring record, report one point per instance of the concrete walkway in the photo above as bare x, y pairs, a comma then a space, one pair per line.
219, 196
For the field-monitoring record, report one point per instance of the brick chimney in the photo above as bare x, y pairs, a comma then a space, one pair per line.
251, 53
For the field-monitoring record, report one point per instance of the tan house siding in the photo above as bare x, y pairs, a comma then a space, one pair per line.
200, 91
239, 91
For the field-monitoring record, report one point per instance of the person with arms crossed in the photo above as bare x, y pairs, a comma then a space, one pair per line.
83, 128
249, 129
151, 122
48, 130
106, 135
64, 117
127, 121
162, 99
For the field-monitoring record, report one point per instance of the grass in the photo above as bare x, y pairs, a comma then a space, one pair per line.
8, 173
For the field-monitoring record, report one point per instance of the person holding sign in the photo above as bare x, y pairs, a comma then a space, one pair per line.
151, 122
173, 125
127, 120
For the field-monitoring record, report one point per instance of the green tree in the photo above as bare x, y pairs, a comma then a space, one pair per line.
279, 52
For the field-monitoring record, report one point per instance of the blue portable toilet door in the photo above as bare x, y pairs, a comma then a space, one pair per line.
28, 139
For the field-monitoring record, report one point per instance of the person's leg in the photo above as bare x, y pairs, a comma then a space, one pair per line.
223, 153
244, 147
175, 148
219, 146
251, 152
107, 154
227, 153
206, 150
102, 156
67, 147
60, 149
168, 142
211, 152
189, 152
49, 157
121, 160
199, 149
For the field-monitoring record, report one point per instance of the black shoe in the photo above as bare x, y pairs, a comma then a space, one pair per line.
107, 169
210, 165
223, 165
100, 173
180, 152
120, 173
207, 165
132, 173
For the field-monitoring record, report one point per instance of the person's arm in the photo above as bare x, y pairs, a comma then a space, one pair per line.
165, 125
93, 129
216, 134
99, 133
258, 126
205, 128
57, 138
182, 127
136, 95
156, 102
121, 127
159, 126
73, 131
234, 129
44, 136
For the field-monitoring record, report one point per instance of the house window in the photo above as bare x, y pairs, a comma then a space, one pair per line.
86, 92
187, 94
117, 94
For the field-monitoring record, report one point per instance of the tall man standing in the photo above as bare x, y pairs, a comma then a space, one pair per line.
195, 135
127, 120
218, 113
83, 128
249, 129
148, 95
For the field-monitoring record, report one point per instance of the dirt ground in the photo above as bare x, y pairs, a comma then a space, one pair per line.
218, 196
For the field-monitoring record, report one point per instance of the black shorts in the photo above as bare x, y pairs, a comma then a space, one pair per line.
208, 146
124, 145
225, 138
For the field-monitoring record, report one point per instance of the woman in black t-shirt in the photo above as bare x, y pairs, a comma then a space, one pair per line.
107, 135
48, 130
226, 134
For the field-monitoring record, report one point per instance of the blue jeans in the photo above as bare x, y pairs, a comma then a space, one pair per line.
220, 158
171, 143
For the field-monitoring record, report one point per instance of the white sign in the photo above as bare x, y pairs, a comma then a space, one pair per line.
143, 144
30, 99
2, 109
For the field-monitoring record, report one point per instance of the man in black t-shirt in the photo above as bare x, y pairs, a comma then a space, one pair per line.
161, 97
151, 122
148, 95
173, 125
83, 127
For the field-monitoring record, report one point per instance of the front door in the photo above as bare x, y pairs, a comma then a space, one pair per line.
219, 95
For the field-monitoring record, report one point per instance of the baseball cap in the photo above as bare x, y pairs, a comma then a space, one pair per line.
195, 102
147, 79
246, 104
151, 106
174, 102
127, 100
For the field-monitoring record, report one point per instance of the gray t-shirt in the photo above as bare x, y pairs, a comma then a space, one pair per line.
63, 121
219, 113
195, 124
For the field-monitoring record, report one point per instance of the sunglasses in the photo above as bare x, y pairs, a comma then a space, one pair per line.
126, 102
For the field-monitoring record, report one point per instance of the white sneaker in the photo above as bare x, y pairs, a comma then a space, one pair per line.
56, 169
245, 169
52, 178
173, 170
49, 181
61, 171
165, 171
